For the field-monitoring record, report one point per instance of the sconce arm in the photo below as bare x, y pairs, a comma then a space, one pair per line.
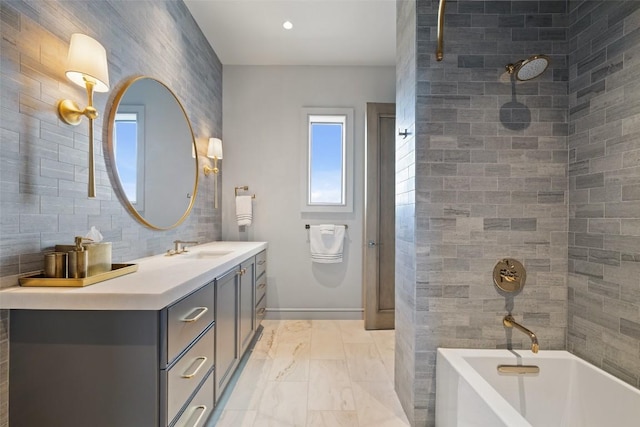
214, 169
71, 113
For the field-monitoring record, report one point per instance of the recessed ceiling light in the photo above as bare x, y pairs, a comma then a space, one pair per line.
287, 25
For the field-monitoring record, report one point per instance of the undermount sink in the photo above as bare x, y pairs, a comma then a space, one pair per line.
207, 254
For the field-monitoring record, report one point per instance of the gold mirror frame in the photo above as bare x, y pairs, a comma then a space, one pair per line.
110, 155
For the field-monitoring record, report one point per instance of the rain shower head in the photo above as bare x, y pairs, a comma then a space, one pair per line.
530, 68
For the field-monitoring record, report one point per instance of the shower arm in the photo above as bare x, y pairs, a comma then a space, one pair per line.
439, 48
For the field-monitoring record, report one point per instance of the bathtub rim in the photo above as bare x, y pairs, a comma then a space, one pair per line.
457, 359
501, 408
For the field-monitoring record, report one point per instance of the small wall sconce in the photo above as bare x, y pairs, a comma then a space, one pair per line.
214, 152
86, 67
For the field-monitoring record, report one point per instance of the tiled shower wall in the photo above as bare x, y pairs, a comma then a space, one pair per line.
490, 182
405, 271
43, 162
604, 186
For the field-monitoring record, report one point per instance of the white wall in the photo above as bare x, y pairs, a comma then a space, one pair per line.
262, 149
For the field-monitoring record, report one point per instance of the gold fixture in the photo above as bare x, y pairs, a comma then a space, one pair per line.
509, 322
166, 99
509, 275
518, 369
243, 188
86, 67
214, 152
530, 68
117, 270
439, 49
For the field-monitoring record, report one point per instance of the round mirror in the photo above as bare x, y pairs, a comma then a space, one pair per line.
152, 153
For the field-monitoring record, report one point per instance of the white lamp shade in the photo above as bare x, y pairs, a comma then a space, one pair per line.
87, 59
215, 148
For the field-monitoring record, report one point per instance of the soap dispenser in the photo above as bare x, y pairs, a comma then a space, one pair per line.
78, 260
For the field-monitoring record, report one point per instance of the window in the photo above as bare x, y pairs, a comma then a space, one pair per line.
328, 174
128, 149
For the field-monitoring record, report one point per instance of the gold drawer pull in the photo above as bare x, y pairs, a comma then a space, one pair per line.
261, 311
202, 408
262, 285
203, 360
188, 319
261, 262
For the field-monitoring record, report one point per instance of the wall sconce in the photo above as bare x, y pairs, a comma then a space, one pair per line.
86, 67
214, 152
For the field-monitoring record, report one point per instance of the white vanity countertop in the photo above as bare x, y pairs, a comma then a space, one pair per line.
159, 281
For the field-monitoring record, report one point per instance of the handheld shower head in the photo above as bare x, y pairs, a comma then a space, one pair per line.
530, 68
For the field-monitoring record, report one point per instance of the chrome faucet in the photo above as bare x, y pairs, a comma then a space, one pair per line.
510, 322
180, 245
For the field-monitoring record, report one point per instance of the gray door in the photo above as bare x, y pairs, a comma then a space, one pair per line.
379, 252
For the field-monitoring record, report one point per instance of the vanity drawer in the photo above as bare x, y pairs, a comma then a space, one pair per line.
261, 263
261, 310
200, 407
187, 318
188, 372
261, 287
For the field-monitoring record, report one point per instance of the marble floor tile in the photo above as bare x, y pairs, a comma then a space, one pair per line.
330, 386
289, 369
389, 365
378, 405
386, 342
283, 404
319, 373
231, 418
332, 419
326, 344
326, 325
352, 331
367, 370
247, 392
267, 342
360, 350
292, 350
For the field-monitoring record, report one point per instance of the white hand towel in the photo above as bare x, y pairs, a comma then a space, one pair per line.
327, 228
326, 248
244, 210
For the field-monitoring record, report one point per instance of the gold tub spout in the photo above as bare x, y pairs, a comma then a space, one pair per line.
510, 322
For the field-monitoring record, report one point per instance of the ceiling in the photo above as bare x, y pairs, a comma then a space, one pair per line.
325, 32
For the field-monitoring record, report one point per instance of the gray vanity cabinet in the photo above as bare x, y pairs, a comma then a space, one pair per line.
247, 303
261, 287
235, 320
106, 368
227, 349
134, 368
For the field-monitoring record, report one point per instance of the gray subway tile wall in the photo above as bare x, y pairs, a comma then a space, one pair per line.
406, 294
43, 162
552, 178
604, 175
490, 182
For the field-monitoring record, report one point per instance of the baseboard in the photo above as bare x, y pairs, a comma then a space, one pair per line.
323, 313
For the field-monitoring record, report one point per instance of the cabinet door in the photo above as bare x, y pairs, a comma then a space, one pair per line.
247, 303
226, 329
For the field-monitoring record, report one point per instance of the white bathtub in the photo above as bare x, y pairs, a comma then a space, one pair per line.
567, 392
